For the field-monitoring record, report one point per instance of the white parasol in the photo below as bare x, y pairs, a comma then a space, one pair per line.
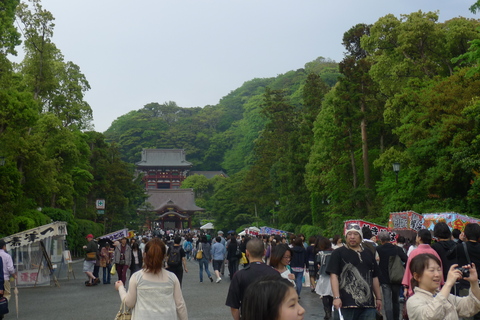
15, 290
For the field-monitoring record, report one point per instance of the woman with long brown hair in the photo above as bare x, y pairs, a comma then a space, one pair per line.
152, 292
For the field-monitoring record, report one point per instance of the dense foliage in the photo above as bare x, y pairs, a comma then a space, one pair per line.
315, 146
54, 167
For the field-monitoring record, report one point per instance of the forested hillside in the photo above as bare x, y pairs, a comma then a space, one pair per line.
313, 147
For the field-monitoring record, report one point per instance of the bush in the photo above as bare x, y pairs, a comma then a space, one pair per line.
58, 214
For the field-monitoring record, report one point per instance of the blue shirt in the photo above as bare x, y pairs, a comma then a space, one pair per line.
218, 251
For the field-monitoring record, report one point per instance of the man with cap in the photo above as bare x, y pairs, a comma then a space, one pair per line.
90, 258
354, 278
8, 269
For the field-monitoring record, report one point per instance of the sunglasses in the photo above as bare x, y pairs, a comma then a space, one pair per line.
354, 226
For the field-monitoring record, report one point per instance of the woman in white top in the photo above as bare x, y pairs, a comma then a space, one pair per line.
152, 292
280, 259
430, 302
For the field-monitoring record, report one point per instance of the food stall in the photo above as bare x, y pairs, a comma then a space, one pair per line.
39, 254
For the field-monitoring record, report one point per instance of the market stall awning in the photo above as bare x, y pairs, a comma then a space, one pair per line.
208, 226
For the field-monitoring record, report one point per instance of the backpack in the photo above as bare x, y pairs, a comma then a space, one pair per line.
238, 252
395, 269
174, 258
188, 246
323, 258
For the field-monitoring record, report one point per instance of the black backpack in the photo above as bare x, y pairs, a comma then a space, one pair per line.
323, 258
174, 258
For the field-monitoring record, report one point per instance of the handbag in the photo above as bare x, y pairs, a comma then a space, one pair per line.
199, 254
3, 305
113, 271
123, 313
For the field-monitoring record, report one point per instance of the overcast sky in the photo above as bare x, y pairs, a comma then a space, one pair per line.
194, 52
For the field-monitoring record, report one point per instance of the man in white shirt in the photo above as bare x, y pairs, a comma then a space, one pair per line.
8, 269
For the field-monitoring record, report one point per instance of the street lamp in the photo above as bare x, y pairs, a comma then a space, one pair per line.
396, 169
274, 212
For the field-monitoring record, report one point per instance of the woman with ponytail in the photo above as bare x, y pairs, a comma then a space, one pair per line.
152, 292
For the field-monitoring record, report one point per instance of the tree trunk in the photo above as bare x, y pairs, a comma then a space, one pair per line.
366, 166
352, 159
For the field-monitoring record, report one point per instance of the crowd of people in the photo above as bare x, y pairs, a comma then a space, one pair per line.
357, 275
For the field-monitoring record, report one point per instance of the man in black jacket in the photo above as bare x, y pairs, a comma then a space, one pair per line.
445, 247
390, 291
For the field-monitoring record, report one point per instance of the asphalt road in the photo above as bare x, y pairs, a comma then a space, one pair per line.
73, 300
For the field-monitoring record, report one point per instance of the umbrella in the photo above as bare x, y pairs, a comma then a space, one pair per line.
16, 295
102, 242
231, 231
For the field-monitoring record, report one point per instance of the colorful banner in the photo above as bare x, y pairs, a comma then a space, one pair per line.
375, 228
117, 235
407, 220
272, 231
452, 219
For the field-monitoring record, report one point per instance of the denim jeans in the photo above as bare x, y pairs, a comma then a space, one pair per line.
203, 262
106, 273
298, 281
391, 303
356, 314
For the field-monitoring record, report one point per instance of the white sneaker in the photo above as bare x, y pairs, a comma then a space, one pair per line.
218, 280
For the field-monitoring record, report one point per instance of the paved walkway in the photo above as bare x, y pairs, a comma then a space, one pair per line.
73, 300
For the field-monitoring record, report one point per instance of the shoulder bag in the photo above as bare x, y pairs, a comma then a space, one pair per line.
91, 255
199, 254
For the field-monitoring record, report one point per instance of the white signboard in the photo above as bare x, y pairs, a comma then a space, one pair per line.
25, 238
100, 204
